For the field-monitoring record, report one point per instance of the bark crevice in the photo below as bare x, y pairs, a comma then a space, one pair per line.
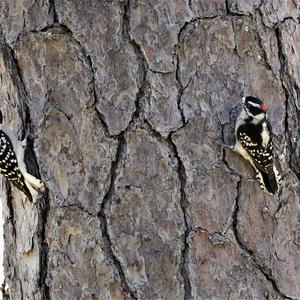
289, 87
52, 10
181, 91
121, 148
10, 207
44, 209
183, 204
89, 63
258, 264
142, 69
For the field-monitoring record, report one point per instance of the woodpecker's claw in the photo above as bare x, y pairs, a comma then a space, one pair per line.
41, 186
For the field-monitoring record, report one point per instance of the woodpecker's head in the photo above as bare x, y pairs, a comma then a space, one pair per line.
254, 108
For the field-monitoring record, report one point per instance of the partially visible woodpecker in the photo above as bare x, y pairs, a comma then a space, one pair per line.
254, 136
12, 164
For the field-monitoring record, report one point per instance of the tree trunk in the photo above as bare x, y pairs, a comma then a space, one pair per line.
124, 102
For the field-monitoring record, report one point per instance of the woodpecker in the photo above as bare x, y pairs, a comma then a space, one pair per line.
12, 165
253, 133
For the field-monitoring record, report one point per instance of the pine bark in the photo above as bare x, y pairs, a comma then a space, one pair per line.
124, 102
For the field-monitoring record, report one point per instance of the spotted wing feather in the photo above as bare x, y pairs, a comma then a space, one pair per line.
257, 141
251, 140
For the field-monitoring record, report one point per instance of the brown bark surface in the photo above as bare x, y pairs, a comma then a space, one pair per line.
124, 102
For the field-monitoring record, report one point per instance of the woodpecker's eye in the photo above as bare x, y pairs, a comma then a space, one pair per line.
255, 110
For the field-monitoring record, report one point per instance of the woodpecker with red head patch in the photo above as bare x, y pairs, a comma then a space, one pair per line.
253, 134
12, 165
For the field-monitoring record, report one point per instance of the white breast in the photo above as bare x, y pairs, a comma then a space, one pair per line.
265, 135
242, 151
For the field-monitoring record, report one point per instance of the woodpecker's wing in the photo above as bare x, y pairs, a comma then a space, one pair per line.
257, 141
9, 165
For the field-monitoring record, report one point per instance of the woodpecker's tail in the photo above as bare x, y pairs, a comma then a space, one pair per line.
268, 182
24, 189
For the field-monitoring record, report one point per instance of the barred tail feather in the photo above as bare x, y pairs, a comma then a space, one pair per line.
268, 182
277, 175
24, 189
272, 185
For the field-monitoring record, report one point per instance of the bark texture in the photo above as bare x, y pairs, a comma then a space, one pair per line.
124, 101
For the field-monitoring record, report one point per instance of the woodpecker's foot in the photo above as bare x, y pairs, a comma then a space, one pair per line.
41, 186
23, 143
36, 183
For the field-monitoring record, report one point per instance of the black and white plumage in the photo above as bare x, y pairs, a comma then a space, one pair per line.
12, 164
253, 134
